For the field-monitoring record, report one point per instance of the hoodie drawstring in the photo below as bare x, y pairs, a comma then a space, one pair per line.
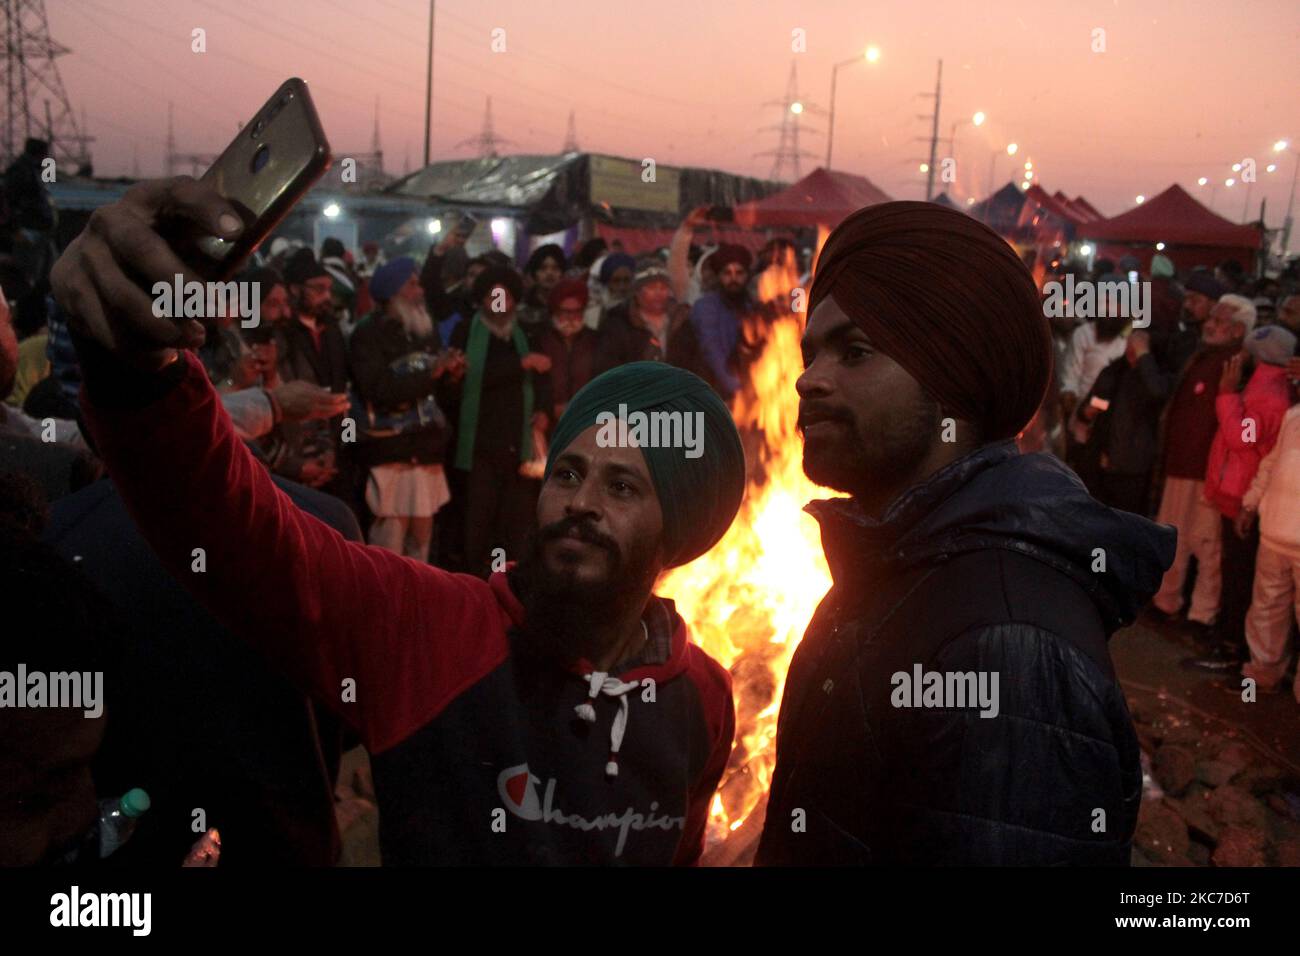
601, 683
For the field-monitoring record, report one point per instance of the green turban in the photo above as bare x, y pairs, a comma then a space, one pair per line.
699, 479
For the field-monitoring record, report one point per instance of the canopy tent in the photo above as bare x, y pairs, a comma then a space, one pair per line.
1001, 211
1192, 234
822, 198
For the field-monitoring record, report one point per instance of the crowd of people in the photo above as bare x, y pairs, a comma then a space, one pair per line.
443, 412
1191, 419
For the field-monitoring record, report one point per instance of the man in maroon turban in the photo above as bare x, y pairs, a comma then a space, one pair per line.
953, 701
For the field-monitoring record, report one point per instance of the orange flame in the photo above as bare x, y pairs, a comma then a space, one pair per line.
748, 600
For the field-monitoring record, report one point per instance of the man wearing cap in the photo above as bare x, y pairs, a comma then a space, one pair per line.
1189, 426
574, 350
1249, 421
652, 327
396, 361
557, 713
610, 288
717, 317
953, 700
1175, 346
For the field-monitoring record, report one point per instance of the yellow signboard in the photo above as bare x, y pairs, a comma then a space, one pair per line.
628, 184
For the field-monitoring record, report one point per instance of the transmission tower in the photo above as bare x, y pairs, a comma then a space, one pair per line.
487, 141
36, 103
785, 165
571, 136
173, 160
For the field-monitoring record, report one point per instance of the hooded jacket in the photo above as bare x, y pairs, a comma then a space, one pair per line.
998, 566
1249, 422
479, 757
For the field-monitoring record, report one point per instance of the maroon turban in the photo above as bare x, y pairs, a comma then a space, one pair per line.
571, 288
728, 253
948, 299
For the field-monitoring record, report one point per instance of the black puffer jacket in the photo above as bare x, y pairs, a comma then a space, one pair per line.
993, 565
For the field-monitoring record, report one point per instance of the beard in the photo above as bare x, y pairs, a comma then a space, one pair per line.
566, 618
414, 317
869, 463
733, 295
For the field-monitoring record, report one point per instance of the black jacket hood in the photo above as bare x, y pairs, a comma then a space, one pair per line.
996, 497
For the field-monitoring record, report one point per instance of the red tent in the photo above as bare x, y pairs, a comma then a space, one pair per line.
1192, 234
822, 198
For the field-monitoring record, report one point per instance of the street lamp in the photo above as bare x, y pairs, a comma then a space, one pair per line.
976, 120
872, 55
1012, 149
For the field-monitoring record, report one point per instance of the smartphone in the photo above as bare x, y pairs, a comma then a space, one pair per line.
721, 214
466, 226
266, 169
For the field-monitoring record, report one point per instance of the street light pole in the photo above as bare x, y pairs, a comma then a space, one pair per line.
428, 89
870, 56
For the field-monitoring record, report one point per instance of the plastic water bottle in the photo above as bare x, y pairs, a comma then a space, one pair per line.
117, 819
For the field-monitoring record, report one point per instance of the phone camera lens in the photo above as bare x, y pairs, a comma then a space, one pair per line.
260, 158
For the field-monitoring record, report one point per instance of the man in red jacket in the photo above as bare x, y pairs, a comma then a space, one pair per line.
465, 691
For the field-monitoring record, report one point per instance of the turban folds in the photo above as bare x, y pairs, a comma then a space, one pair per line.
390, 277
699, 496
727, 253
571, 288
613, 262
948, 299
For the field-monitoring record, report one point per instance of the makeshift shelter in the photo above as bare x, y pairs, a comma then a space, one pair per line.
1192, 234
1001, 211
822, 198
584, 194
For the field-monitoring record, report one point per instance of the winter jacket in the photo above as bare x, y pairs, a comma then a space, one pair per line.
999, 564
477, 752
1126, 433
1249, 421
1276, 490
399, 420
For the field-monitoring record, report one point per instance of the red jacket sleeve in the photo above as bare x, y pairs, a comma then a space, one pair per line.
714, 684
323, 609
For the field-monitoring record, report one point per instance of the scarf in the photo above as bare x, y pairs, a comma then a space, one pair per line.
475, 357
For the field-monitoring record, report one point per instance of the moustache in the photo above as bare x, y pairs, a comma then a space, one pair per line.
811, 414
581, 528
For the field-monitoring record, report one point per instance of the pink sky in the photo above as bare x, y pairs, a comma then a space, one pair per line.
1184, 89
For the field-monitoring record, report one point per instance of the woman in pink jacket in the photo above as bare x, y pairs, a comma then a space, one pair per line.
1249, 422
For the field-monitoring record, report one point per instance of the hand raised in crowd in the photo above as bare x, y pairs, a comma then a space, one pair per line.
102, 277
536, 362
1139, 344
302, 401
1230, 380
699, 216
1243, 522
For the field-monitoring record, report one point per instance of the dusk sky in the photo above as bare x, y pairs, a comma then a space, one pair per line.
1184, 89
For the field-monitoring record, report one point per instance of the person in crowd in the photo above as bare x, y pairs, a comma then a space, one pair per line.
56, 458
651, 326
926, 352
1274, 501
587, 255
1123, 412
47, 788
717, 317
1200, 292
545, 267
616, 272
1165, 302
261, 763
574, 350
463, 690
497, 405
1230, 275
441, 304
1189, 427
1094, 344
335, 259
30, 216
1249, 422
372, 257
1288, 314
397, 360
314, 350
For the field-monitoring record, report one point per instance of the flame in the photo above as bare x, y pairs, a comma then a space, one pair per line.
749, 599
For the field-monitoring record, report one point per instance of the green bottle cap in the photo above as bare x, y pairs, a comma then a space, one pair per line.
135, 802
